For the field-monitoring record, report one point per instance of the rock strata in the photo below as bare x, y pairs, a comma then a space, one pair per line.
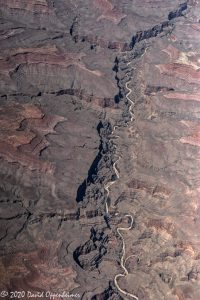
99, 148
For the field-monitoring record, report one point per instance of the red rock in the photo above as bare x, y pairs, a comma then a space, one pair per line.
39, 271
183, 96
63, 139
35, 6
183, 72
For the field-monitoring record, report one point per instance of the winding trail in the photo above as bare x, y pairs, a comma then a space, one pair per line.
120, 229
125, 273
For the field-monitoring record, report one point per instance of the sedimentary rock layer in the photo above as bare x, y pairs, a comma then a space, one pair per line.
99, 148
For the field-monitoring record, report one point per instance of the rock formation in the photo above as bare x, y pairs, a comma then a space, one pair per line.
99, 149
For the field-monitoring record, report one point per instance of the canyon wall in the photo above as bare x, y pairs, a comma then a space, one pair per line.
99, 148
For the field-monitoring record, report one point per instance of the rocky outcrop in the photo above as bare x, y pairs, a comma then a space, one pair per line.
100, 171
99, 119
90, 254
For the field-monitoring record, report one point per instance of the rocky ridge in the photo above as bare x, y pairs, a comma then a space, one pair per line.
82, 243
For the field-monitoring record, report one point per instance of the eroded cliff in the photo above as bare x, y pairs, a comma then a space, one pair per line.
99, 148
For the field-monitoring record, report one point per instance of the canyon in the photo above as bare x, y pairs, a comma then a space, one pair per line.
99, 149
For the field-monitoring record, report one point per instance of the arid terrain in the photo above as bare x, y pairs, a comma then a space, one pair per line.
100, 149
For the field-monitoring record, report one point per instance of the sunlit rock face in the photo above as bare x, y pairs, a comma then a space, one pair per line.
99, 118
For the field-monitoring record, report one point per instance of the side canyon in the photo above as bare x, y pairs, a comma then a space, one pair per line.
99, 149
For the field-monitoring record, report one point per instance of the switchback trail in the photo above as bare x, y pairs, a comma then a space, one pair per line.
120, 229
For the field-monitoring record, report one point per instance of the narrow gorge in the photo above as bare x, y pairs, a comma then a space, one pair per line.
99, 149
